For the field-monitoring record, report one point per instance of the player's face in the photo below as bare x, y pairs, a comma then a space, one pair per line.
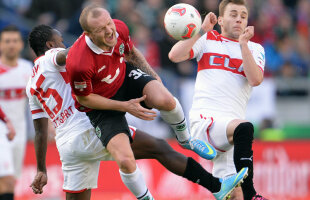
11, 44
57, 39
103, 31
234, 21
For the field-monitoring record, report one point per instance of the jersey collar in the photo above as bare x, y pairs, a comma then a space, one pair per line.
95, 48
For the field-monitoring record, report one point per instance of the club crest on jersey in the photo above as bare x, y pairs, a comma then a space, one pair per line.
121, 48
98, 132
80, 85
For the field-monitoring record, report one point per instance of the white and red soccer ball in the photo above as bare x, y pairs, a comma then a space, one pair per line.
182, 21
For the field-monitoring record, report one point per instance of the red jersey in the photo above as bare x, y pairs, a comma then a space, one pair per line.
92, 70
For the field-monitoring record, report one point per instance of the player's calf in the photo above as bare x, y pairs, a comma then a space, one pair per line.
243, 155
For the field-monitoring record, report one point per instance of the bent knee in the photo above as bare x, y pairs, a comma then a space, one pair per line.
162, 101
165, 102
244, 131
126, 163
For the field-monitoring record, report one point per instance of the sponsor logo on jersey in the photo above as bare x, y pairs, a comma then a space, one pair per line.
122, 49
222, 62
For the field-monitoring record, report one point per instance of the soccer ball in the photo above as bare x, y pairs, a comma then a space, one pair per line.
182, 21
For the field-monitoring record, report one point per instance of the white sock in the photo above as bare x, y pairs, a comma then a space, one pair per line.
176, 119
136, 184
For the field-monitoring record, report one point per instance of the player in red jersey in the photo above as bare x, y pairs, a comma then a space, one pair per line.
79, 148
110, 77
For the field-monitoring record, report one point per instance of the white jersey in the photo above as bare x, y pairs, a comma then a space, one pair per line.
13, 101
221, 86
49, 95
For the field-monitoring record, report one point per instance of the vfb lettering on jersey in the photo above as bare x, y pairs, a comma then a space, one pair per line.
221, 61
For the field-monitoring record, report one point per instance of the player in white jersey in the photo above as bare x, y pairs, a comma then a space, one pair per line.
6, 159
14, 73
80, 149
229, 65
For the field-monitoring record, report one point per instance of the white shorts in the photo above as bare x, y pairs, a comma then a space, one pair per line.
80, 157
18, 153
213, 131
6, 161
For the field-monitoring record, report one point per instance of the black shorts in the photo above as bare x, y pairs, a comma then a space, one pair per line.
109, 123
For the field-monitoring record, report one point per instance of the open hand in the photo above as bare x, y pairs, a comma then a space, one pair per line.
137, 110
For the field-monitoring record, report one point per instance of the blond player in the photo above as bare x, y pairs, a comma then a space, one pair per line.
80, 149
229, 65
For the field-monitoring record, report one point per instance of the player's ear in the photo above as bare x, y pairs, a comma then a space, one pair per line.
50, 44
220, 20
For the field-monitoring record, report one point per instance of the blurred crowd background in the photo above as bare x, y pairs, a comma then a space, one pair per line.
280, 107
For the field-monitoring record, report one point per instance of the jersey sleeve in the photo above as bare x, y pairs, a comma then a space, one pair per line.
35, 108
258, 53
197, 49
51, 56
2, 115
123, 31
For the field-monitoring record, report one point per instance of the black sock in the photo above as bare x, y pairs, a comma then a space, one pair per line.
7, 196
243, 156
197, 174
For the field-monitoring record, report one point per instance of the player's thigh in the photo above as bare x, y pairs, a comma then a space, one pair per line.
231, 127
212, 130
18, 152
79, 174
6, 157
85, 146
157, 96
223, 164
119, 147
80, 157
109, 123
146, 146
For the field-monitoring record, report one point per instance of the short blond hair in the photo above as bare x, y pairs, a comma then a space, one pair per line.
224, 3
91, 9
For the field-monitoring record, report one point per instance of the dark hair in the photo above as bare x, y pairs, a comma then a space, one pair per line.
38, 38
224, 3
9, 28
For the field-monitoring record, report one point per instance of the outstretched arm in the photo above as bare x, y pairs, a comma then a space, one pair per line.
40, 145
95, 101
135, 58
181, 50
62, 56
